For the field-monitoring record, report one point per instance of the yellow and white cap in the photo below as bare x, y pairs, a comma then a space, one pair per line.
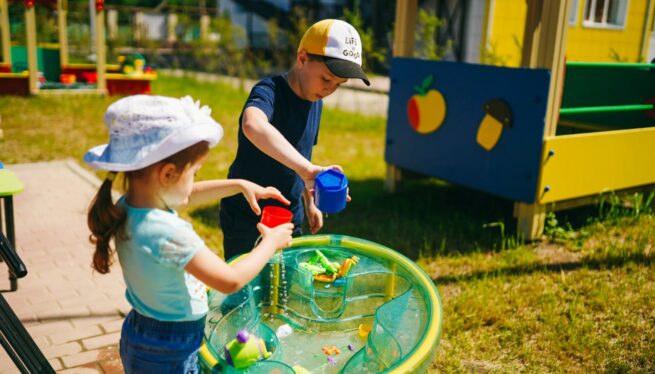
340, 46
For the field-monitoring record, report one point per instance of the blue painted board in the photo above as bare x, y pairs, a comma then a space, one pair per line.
510, 168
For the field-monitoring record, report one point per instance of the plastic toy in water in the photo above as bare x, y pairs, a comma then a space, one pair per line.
327, 271
328, 266
330, 350
386, 292
245, 350
347, 265
364, 329
330, 191
284, 331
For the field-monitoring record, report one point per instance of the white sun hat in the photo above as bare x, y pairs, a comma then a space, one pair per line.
145, 129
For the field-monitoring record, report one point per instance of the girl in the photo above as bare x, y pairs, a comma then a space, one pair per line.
160, 143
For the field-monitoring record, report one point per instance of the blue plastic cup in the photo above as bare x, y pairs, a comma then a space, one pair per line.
330, 191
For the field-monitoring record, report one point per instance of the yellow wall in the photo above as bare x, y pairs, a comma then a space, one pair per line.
583, 43
505, 39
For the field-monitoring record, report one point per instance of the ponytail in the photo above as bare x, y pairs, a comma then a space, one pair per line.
105, 219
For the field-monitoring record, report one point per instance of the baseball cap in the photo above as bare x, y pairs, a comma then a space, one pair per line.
144, 130
340, 46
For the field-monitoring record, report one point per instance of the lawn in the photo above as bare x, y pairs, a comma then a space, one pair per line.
581, 300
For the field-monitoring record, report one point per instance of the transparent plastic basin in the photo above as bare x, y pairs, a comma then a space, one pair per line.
385, 290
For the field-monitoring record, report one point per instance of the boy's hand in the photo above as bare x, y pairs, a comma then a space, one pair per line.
314, 218
253, 192
278, 237
310, 175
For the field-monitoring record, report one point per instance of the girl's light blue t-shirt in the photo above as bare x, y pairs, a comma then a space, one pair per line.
157, 246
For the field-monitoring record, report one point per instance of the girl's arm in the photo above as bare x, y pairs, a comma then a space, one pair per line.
212, 190
217, 274
216, 189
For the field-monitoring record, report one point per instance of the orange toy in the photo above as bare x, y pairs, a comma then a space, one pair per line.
331, 350
325, 278
346, 265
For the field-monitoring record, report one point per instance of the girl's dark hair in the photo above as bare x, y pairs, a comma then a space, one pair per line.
106, 219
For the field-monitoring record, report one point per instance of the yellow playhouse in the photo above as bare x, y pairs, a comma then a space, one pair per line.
550, 132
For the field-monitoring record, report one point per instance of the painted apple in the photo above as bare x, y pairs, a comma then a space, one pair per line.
427, 109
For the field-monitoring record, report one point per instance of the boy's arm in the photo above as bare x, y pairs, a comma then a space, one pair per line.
212, 190
270, 141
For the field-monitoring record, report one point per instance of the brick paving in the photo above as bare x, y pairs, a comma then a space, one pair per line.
73, 314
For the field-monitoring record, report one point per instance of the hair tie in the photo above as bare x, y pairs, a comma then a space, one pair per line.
111, 176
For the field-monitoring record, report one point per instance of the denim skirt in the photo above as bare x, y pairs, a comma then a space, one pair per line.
160, 347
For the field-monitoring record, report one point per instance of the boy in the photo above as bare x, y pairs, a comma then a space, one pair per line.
279, 126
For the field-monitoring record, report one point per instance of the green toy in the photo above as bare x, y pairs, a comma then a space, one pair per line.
245, 350
330, 267
314, 269
325, 270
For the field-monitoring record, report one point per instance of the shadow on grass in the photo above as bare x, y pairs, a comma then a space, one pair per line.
426, 216
608, 262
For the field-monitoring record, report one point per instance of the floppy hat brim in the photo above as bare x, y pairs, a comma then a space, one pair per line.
99, 157
345, 69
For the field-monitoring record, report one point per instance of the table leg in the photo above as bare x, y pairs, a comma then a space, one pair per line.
11, 234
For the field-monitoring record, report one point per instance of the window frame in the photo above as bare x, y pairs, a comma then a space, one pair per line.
604, 24
573, 12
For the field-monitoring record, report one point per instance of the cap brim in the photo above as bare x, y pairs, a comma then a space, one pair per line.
345, 69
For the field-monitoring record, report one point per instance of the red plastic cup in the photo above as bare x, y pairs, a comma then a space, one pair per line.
273, 216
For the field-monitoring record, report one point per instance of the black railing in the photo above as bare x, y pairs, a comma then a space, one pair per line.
14, 338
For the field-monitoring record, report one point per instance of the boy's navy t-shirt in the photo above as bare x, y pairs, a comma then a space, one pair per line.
298, 121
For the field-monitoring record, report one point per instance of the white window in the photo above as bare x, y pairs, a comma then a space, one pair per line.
573, 12
605, 13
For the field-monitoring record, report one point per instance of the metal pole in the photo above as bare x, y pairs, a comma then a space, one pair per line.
611, 65
607, 108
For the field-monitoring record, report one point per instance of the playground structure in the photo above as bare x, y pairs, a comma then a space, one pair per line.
549, 136
99, 78
383, 314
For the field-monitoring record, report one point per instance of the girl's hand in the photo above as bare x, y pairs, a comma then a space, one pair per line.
253, 192
278, 237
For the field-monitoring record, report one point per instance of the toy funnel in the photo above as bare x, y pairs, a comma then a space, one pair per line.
331, 189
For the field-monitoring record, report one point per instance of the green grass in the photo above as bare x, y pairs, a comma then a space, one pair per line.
581, 301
